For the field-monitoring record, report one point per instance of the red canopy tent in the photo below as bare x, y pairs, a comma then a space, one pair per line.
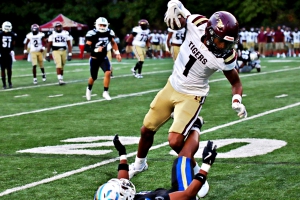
66, 22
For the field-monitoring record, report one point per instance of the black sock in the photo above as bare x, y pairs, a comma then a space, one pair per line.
90, 86
4, 81
105, 88
140, 67
137, 66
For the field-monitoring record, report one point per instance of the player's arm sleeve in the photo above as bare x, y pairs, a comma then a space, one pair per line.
87, 48
230, 60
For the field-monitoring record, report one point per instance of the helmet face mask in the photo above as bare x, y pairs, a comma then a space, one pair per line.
219, 45
221, 33
101, 24
35, 29
6, 26
58, 27
144, 24
121, 189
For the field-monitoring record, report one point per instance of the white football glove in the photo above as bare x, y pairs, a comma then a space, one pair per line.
240, 109
172, 14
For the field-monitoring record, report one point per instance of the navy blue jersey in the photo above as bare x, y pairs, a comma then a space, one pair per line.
244, 55
99, 39
8, 40
158, 194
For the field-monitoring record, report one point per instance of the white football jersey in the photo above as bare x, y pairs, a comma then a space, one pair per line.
155, 37
177, 36
287, 36
141, 37
251, 36
164, 38
195, 63
243, 35
296, 36
35, 41
59, 39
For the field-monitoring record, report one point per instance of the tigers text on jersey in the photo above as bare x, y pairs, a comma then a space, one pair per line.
59, 40
99, 39
35, 43
7, 40
177, 36
195, 63
141, 36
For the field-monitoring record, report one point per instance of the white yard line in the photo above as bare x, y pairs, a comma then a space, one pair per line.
70, 173
77, 104
145, 73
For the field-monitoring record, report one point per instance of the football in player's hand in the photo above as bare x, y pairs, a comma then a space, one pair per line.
182, 22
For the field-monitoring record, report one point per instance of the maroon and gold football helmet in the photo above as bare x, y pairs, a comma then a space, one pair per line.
35, 29
221, 32
144, 24
58, 27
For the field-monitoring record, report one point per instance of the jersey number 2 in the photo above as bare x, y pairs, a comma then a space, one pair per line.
189, 64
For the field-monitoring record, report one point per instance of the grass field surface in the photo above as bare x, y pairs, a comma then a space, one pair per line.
55, 145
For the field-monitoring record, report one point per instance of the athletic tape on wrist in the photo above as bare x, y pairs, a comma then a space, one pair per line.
123, 167
238, 97
200, 177
123, 157
117, 52
205, 167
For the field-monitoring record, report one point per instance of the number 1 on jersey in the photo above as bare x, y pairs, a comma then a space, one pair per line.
189, 64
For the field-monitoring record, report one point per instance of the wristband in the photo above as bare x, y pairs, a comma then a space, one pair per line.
123, 167
43, 48
25, 51
200, 177
238, 97
96, 50
117, 52
70, 54
205, 167
123, 157
47, 54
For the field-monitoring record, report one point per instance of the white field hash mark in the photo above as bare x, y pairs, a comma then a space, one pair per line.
24, 95
281, 96
70, 173
57, 95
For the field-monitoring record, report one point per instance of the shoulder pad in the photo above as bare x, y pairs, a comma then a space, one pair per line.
199, 20
90, 33
112, 33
